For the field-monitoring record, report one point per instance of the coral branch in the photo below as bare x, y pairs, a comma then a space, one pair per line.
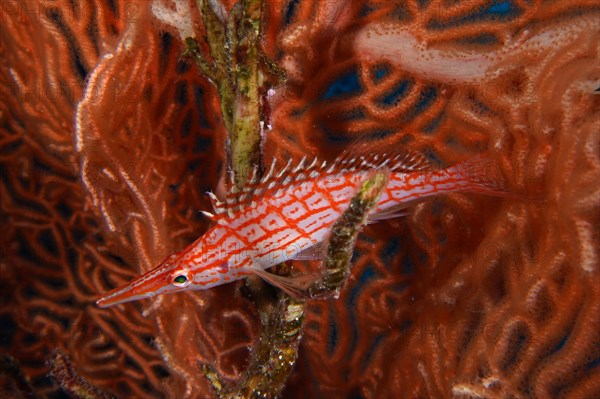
402, 47
275, 353
466, 296
273, 356
13, 383
236, 71
245, 139
63, 373
343, 236
236, 66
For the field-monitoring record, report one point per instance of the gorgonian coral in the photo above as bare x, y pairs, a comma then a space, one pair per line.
108, 142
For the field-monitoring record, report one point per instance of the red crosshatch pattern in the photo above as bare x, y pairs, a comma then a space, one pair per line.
235, 241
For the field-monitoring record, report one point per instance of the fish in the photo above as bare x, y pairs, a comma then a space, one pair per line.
289, 213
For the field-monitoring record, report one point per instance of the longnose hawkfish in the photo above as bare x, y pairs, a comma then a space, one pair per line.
286, 215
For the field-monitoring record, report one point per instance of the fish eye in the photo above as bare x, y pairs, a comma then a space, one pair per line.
181, 280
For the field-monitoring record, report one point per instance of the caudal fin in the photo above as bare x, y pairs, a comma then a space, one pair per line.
481, 174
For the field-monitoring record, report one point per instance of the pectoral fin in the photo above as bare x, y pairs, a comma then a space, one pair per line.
316, 252
296, 287
391, 213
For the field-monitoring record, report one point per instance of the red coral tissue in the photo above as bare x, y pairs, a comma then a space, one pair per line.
108, 142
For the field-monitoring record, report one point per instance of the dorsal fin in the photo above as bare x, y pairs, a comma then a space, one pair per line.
410, 162
218, 206
395, 161
278, 179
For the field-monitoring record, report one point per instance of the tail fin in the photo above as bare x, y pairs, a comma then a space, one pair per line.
482, 175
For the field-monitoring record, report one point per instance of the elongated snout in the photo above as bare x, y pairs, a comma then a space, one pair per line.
131, 292
156, 281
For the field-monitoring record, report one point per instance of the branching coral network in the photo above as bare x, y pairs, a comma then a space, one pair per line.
109, 139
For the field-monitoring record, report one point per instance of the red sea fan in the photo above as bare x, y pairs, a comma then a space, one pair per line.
470, 298
108, 142
96, 170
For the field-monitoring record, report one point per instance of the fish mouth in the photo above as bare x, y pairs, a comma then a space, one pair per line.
127, 293
152, 283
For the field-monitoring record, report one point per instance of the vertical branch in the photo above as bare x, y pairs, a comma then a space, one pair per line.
244, 145
61, 371
13, 382
235, 69
344, 234
220, 46
242, 74
273, 356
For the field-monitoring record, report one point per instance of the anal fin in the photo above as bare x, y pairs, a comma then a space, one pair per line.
393, 212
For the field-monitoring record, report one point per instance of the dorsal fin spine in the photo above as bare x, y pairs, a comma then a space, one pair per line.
217, 205
276, 181
208, 214
269, 174
285, 169
232, 181
253, 178
300, 165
